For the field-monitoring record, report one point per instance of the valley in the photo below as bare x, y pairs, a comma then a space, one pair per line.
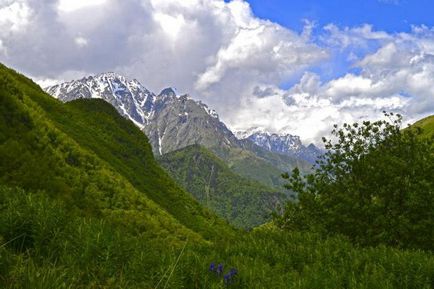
84, 203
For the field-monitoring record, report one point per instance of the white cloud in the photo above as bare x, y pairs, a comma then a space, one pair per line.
172, 25
73, 5
221, 53
14, 16
81, 41
46, 82
398, 76
2, 47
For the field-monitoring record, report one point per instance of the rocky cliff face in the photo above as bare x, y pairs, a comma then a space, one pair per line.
170, 121
179, 121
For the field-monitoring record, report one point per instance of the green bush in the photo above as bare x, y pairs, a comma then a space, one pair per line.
375, 185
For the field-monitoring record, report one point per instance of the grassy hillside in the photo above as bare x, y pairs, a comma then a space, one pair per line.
88, 155
243, 202
427, 126
96, 211
255, 163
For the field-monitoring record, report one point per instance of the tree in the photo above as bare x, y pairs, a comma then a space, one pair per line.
375, 185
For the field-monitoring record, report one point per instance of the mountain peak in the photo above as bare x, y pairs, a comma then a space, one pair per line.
169, 91
110, 74
282, 143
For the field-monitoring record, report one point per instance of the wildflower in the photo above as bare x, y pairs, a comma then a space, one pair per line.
212, 267
233, 272
220, 269
228, 278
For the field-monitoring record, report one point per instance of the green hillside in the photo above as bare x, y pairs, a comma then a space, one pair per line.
243, 202
83, 204
427, 126
257, 164
87, 154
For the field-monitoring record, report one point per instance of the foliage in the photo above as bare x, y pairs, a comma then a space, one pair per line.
256, 163
245, 203
45, 245
375, 185
96, 211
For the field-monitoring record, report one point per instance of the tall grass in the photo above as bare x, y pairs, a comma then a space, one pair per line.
63, 250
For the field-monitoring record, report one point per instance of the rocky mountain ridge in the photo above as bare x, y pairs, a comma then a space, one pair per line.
285, 144
173, 121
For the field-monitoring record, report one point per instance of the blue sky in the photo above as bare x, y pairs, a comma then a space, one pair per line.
387, 15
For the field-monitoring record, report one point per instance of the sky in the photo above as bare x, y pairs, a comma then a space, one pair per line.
281, 66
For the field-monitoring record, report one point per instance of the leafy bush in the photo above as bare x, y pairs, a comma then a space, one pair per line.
375, 185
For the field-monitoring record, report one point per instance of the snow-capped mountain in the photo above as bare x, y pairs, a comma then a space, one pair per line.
129, 97
169, 120
173, 121
282, 143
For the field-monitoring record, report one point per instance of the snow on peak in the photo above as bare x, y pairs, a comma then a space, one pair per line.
129, 97
243, 134
282, 143
210, 111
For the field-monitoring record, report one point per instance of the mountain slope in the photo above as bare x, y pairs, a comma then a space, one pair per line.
173, 122
256, 163
86, 154
427, 126
179, 121
243, 202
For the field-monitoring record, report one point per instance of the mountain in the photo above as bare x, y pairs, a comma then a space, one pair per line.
85, 153
129, 97
170, 121
173, 122
252, 201
287, 144
83, 204
245, 203
180, 121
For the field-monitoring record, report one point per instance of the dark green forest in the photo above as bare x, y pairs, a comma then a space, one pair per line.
84, 204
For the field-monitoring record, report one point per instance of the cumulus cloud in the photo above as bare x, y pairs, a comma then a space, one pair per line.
221, 53
397, 76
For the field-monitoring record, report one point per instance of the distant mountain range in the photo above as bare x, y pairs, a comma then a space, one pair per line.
287, 144
173, 122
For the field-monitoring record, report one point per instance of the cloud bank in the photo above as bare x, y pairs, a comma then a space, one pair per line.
221, 53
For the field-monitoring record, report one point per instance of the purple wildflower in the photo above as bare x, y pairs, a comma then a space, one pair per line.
212, 267
233, 272
228, 278
220, 269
